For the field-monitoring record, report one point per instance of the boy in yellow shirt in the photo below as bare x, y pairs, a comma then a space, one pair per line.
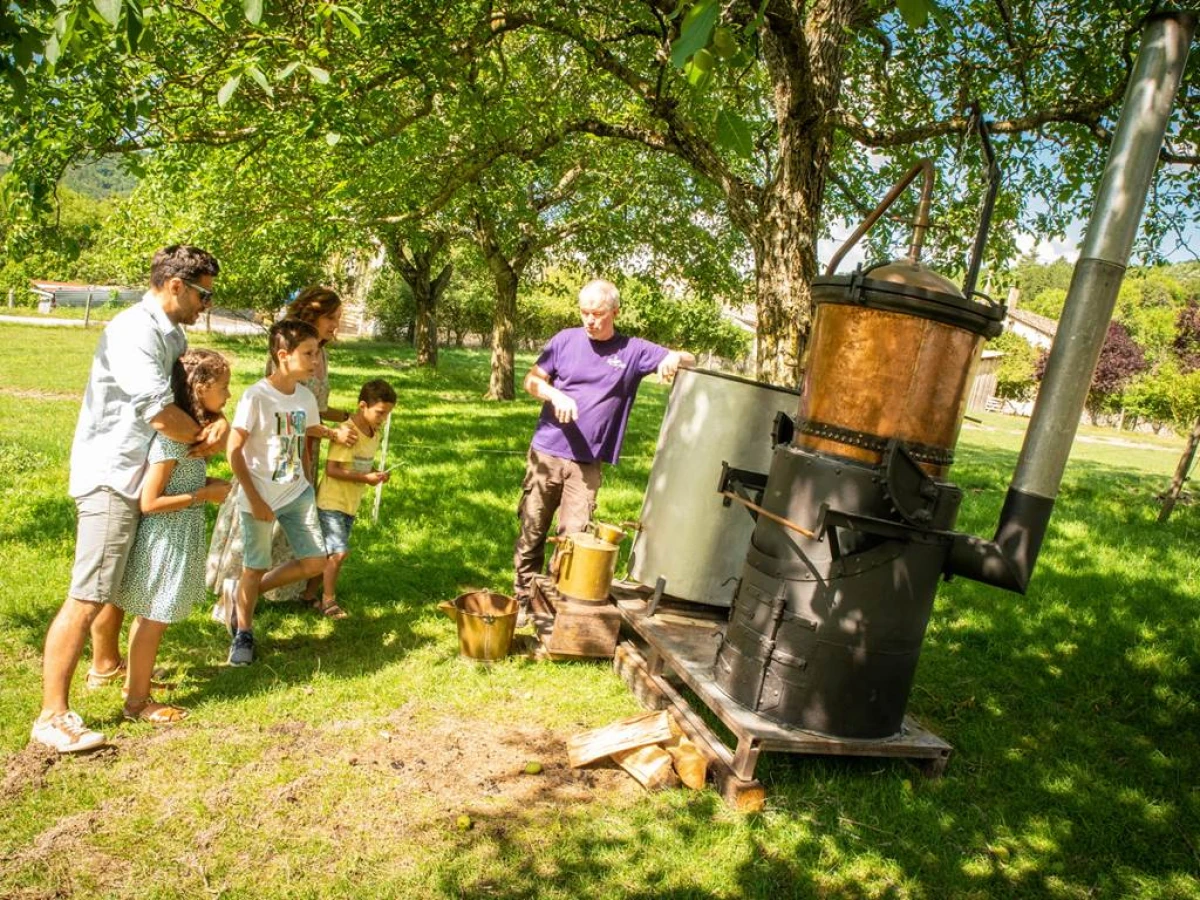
348, 471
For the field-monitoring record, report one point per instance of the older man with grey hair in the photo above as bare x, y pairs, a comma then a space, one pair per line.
588, 379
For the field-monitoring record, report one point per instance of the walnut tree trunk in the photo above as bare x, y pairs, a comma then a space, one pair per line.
804, 47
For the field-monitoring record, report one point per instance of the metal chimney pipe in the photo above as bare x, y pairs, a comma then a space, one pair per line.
1007, 560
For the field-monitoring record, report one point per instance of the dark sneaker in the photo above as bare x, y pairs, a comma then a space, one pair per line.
241, 651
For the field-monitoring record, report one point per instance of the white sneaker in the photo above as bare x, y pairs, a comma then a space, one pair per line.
66, 733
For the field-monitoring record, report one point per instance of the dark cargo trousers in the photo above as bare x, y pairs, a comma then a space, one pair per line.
551, 484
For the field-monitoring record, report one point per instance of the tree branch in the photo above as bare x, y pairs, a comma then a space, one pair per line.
1084, 114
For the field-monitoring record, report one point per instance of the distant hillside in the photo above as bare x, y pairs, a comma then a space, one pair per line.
99, 179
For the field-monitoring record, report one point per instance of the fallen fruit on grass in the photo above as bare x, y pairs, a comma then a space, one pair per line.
464, 823
533, 768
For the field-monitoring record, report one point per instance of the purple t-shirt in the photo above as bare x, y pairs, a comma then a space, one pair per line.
602, 378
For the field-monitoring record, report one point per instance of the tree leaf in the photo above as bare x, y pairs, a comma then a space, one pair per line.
256, 73
286, 71
110, 11
227, 89
53, 49
694, 31
349, 23
318, 74
253, 10
133, 28
733, 132
915, 12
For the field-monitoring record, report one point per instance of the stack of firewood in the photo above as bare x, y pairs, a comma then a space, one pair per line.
651, 747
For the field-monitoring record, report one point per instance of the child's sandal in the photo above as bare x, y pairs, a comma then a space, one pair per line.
328, 607
155, 713
96, 680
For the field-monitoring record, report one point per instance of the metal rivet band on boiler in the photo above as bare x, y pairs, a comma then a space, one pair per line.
926, 453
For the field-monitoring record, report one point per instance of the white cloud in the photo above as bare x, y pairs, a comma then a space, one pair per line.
826, 247
1048, 251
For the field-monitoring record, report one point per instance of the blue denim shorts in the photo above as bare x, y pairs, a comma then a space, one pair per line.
298, 520
336, 526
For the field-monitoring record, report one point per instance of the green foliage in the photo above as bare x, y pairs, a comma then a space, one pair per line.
1048, 303
550, 304
1148, 304
688, 322
1015, 375
390, 302
55, 248
1031, 277
101, 179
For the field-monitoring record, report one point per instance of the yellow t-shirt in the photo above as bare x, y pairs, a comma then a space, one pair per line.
342, 495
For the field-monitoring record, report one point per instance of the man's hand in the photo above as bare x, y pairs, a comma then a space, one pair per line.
565, 409
669, 366
378, 477
260, 510
211, 439
345, 435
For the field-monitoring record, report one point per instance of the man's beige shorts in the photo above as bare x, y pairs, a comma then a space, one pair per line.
106, 525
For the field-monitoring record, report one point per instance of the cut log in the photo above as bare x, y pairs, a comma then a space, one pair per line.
650, 765
689, 762
627, 734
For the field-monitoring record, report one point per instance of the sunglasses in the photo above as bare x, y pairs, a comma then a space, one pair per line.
206, 296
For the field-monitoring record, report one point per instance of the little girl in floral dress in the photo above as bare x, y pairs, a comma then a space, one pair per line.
164, 578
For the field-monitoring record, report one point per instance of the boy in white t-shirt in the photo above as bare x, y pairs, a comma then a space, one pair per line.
268, 455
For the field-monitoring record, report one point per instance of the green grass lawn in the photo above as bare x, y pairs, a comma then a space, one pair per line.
337, 765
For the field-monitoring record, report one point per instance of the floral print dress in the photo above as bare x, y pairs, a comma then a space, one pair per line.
164, 577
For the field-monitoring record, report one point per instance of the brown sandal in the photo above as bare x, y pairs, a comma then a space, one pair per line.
328, 607
96, 680
155, 713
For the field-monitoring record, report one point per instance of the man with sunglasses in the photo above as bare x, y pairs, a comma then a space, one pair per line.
128, 399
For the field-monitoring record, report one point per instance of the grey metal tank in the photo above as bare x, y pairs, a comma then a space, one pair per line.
688, 536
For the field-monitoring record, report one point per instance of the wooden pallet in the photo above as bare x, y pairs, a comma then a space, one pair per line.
686, 647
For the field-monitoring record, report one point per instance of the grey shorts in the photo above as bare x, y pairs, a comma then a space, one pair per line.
105, 528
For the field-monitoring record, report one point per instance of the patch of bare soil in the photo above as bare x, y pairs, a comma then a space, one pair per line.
410, 772
465, 762
26, 770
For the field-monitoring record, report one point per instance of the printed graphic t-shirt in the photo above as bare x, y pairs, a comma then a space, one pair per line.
602, 377
345, 496
275, 424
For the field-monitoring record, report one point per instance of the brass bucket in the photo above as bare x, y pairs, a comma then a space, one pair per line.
585, 566
605, 532
486, 622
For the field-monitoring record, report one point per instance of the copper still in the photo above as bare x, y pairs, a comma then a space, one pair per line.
853, 518
854, 524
